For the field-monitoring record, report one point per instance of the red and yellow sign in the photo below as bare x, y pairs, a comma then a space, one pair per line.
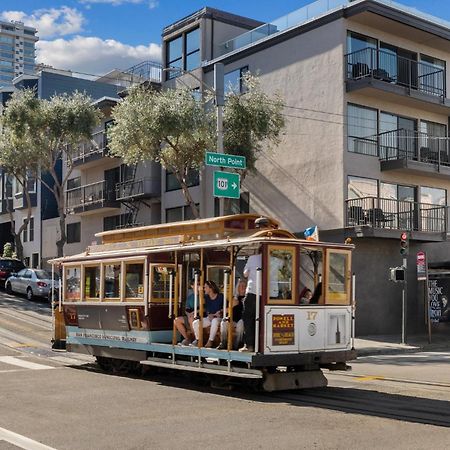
283, 329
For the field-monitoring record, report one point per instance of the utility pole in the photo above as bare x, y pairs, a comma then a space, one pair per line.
404, 244
219, 95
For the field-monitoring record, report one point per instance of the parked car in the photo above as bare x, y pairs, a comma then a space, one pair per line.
7, 267
31, 282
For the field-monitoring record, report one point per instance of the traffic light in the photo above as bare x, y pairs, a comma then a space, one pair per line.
397, 274
404, 244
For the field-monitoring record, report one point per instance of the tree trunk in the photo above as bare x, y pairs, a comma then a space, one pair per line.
62, 224
18, 236
187, 195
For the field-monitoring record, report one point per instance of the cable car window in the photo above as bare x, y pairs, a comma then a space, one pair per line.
92, 283
134, 281
216, 274
311, 269
337, 277
161, 283
281, 277
112, 281
73, 284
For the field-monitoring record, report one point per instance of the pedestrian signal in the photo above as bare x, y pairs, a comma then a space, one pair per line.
397, 274
404, 244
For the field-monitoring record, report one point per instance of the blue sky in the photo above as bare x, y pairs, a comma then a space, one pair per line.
96, 35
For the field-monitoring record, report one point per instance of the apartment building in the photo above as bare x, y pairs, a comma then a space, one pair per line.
365, 152
47, 82
17, 51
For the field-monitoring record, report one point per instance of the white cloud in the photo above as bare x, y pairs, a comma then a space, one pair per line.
93, 55
50, 22
152, 4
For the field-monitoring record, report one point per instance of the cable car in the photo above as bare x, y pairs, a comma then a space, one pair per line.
120, 298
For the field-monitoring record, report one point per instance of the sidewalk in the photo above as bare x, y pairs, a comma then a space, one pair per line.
390, 345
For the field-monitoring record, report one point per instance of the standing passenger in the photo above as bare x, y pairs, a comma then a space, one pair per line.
249, 314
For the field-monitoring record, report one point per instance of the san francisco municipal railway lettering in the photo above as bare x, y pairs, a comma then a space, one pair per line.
107, 337
283, 329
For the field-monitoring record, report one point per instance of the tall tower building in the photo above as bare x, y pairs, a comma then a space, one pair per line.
17, 50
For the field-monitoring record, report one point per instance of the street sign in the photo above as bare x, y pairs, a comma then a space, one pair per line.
227, 184
421, 262
223, 160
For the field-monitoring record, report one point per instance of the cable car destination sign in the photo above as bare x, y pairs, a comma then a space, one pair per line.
223, 160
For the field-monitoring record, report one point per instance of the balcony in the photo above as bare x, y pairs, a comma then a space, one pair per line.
142, 188
90, 153
409, 151
373, 69
92, 198
383, 217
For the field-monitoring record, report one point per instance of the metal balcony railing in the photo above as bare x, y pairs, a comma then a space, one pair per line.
403, 144
134, 189
97, 145
89, 194
384, 213
386, 66
415, 146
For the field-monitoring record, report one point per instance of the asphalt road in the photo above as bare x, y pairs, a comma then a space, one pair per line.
62, 401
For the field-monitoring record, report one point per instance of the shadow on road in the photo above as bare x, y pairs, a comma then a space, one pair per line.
20, 303
348, 400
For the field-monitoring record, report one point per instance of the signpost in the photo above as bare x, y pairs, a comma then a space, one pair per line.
227, 184
421, 262
224, 160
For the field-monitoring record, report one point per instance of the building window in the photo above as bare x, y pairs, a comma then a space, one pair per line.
192, 49
433, 196
359, 187
172, 184
239, 205
183, 53
116, 222
175, 56
362, 130
35, 260
73, 183
233, 81
73, 233
31, 229
180, 213
431, 146
25, 233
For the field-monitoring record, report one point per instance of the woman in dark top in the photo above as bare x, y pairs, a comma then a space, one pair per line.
213, 306
238, 323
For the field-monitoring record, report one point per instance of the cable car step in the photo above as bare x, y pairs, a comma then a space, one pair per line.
203, 368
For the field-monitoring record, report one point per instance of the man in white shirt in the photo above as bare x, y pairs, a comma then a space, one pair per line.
254, 262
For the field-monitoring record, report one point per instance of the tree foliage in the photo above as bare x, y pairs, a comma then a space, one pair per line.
7, 250
252, 121
174, 128
41, 131
170, 127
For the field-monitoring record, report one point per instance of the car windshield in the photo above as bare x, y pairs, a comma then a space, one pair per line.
44, 275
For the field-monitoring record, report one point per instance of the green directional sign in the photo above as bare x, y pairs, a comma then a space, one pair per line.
223, 160
227, 184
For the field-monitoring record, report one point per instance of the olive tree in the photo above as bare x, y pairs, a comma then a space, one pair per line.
170, 127
15, 160
174, 128
45, 131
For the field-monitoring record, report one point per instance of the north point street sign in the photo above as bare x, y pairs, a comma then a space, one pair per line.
223, 160
227, 184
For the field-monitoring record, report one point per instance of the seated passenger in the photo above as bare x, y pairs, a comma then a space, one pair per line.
184, 323
238, 323
305, 296
213, 306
